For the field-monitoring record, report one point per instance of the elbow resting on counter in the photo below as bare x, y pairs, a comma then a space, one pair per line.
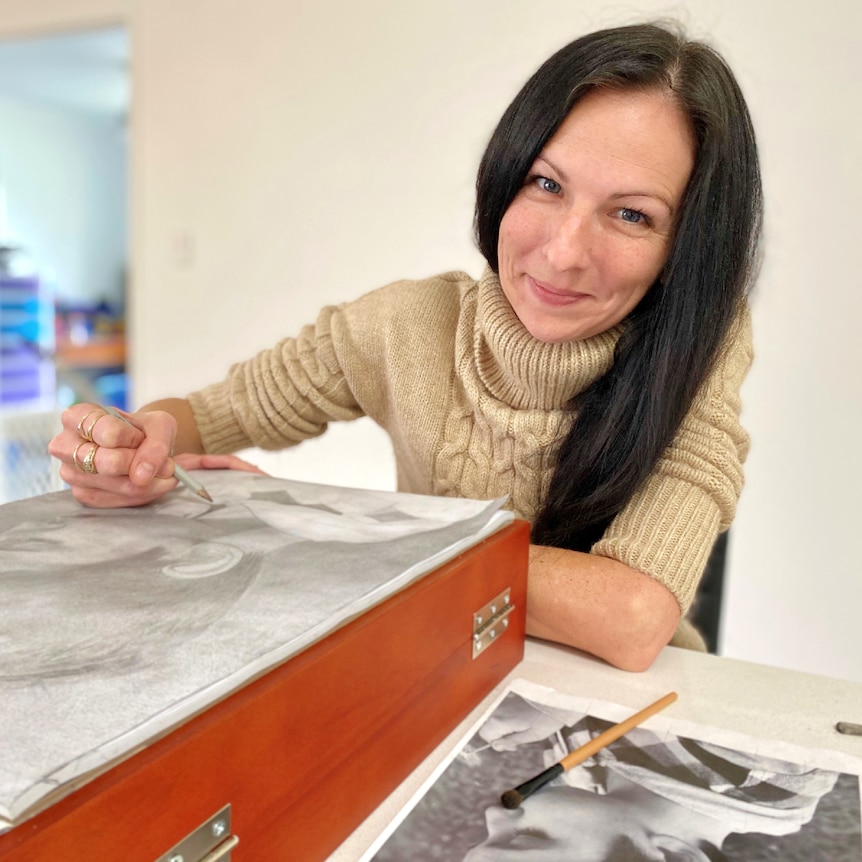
600, 606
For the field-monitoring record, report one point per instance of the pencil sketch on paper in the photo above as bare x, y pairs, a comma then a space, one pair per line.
117, 624
660, 792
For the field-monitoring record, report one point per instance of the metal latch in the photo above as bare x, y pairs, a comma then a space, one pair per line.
489, 622
210, 842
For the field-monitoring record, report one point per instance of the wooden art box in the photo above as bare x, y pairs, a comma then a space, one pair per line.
287, 764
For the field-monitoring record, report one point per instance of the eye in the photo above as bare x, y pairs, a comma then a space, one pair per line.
631, 216
546, 184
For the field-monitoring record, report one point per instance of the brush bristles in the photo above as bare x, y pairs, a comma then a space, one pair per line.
511, 799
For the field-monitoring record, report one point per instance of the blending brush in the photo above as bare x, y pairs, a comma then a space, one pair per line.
513, 798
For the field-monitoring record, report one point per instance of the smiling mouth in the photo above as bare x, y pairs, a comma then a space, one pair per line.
552, 295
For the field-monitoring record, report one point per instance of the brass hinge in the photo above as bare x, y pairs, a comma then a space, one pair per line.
490, 622
210, 842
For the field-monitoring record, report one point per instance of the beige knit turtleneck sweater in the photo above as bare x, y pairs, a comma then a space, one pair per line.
474, 405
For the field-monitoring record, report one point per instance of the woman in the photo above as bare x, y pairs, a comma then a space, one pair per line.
591, 373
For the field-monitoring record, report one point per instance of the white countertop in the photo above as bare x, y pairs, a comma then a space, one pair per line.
773, 703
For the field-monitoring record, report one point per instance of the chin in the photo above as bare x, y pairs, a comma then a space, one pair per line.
550, 333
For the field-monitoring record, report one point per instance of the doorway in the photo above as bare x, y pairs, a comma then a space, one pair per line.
64, 104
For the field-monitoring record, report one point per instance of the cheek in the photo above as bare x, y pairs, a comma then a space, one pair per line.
636, 272
505, 246
519, 232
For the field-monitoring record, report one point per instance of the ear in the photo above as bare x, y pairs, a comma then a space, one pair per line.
203, 560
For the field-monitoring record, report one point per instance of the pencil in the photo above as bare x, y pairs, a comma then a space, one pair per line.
513, 798
192, 484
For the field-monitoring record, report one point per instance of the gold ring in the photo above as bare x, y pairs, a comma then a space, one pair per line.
75, 460
89, 464
88, 435
81, 432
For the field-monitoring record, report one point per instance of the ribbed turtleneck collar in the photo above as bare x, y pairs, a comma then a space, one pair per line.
522, 371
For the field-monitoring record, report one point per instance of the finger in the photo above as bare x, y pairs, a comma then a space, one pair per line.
145, 438
90, 422
98, 498
73, 416
101, 491
103, 460
117, 432
166, 470
83, 419
151, 459
70, 450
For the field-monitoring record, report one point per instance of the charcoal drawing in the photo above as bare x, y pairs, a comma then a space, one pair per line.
654, 794
136, 616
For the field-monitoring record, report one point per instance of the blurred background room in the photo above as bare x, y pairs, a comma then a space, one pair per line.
63, 238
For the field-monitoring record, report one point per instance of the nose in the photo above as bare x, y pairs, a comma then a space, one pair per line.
570, 241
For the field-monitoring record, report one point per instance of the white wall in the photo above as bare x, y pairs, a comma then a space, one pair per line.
38, 17
795, 587
289, 154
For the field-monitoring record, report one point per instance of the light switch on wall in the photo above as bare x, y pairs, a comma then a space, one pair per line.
183, 250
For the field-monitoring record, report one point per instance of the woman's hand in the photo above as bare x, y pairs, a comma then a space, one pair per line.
111, 462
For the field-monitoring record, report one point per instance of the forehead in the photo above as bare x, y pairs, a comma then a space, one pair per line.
626, 136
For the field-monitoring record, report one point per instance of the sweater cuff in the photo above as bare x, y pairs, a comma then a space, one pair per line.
220, 432
667, 530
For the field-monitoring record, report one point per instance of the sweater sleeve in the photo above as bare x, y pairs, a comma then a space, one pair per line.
281, 396
668, 528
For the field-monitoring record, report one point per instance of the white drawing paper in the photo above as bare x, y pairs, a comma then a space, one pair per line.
117, 625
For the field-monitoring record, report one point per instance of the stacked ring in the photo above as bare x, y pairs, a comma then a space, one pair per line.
89, 463
75, 460
86, 434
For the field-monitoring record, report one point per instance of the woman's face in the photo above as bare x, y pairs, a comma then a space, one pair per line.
561, 824
592, 227
42, 546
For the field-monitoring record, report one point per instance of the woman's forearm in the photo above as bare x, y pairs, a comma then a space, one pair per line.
599, 605
188, 437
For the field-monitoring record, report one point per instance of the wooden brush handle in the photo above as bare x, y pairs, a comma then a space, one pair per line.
579, 755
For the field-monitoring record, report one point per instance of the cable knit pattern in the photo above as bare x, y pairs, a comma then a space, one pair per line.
474, 406
507, 406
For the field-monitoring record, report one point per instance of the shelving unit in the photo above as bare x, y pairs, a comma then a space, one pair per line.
26, 340
29, 417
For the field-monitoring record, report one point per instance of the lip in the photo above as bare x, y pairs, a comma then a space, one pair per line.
550, 295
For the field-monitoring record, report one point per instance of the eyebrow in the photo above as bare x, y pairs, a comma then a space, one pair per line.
618, 195
652, 195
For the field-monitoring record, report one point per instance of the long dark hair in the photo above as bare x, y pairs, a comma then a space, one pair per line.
625, 420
